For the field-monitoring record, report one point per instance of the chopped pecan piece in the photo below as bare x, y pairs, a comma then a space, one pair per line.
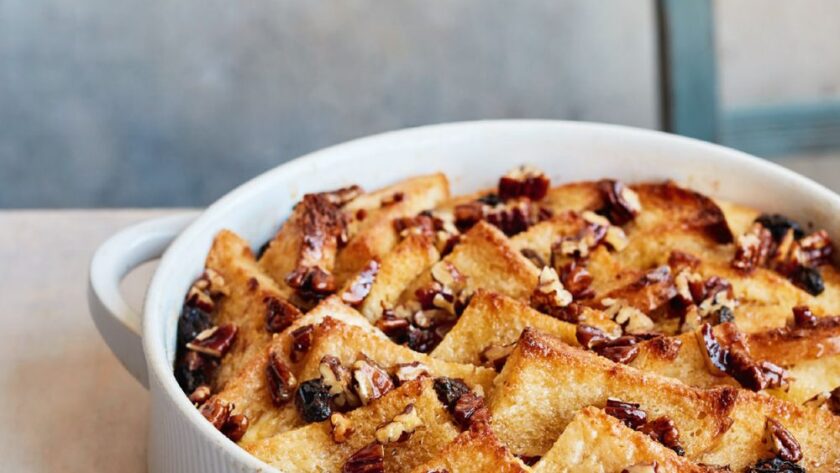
302, 339
577, 279
803, 317
339, 380
214, 341
370, 380
400, 428
589, 336
627, 412
361, 284
781, 442
313, 401
813, 250
216, 412
621, 203
470, 408
405, 372
396, 328
281, 382
737, 362
495, 356
524, 182
664, 431
369, 459
620, 350
200, 395
549, 292
235, 427
341, 428
344, 195
753, 248
717, 357
279, 314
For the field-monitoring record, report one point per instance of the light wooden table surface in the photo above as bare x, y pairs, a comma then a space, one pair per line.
67, 404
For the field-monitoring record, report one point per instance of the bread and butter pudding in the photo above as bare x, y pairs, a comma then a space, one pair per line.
585, 327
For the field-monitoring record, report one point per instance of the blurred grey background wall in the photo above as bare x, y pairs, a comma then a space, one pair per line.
159, 103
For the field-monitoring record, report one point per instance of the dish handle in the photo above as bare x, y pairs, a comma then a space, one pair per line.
118, 324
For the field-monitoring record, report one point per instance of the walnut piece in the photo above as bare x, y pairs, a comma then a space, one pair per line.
338, 380
400, 428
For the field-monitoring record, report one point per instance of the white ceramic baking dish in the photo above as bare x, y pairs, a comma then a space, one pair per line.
472, 154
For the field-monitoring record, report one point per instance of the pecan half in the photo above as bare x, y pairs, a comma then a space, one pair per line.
627, 412
235, 427
577, 279
396, 328
279, 314
370, 380
400, 428
470, 408
214, 341
781, 442
281, 382
524, 182
621, 203
369, 459
361, 284
216, 412
664, 431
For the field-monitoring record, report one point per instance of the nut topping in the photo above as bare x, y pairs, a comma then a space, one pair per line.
369, 459
495, 356
281, 381
627, 412
664, 431
371, 381
405, 372
361, 284
235, 427
621, 203
737, 362
338, 379
549, 292
400, 428
524, 182
781, 442
216, 412
279, 314
302, 339
214, 341
200, 395
753, 248
342, 429
470, 408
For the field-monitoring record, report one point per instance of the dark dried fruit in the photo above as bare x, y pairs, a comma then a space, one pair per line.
281, 381
834, 401
470, 408
396, 328
313, 401
192, 321
449, 390
664, 431
279, 314
215, 341
782, 442
775, 465
235, 427
803, 317
808, 279
490, 199
369, 459
778, 225
524, 182
529, 460
302, 339
627, 412
621, 203
361, 284
193, 370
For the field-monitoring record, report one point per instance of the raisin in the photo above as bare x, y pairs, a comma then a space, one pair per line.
449, 390
724, 315
775, 465
779, 225
490, 199
808, 279
192, 322
313, 401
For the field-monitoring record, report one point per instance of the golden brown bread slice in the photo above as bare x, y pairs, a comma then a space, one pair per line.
811, 356
596, 442
346, 342
395, 271
483, 254
370, 219
492, 319
246, 304
312, 448
545, 381
476, 450
248, 391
